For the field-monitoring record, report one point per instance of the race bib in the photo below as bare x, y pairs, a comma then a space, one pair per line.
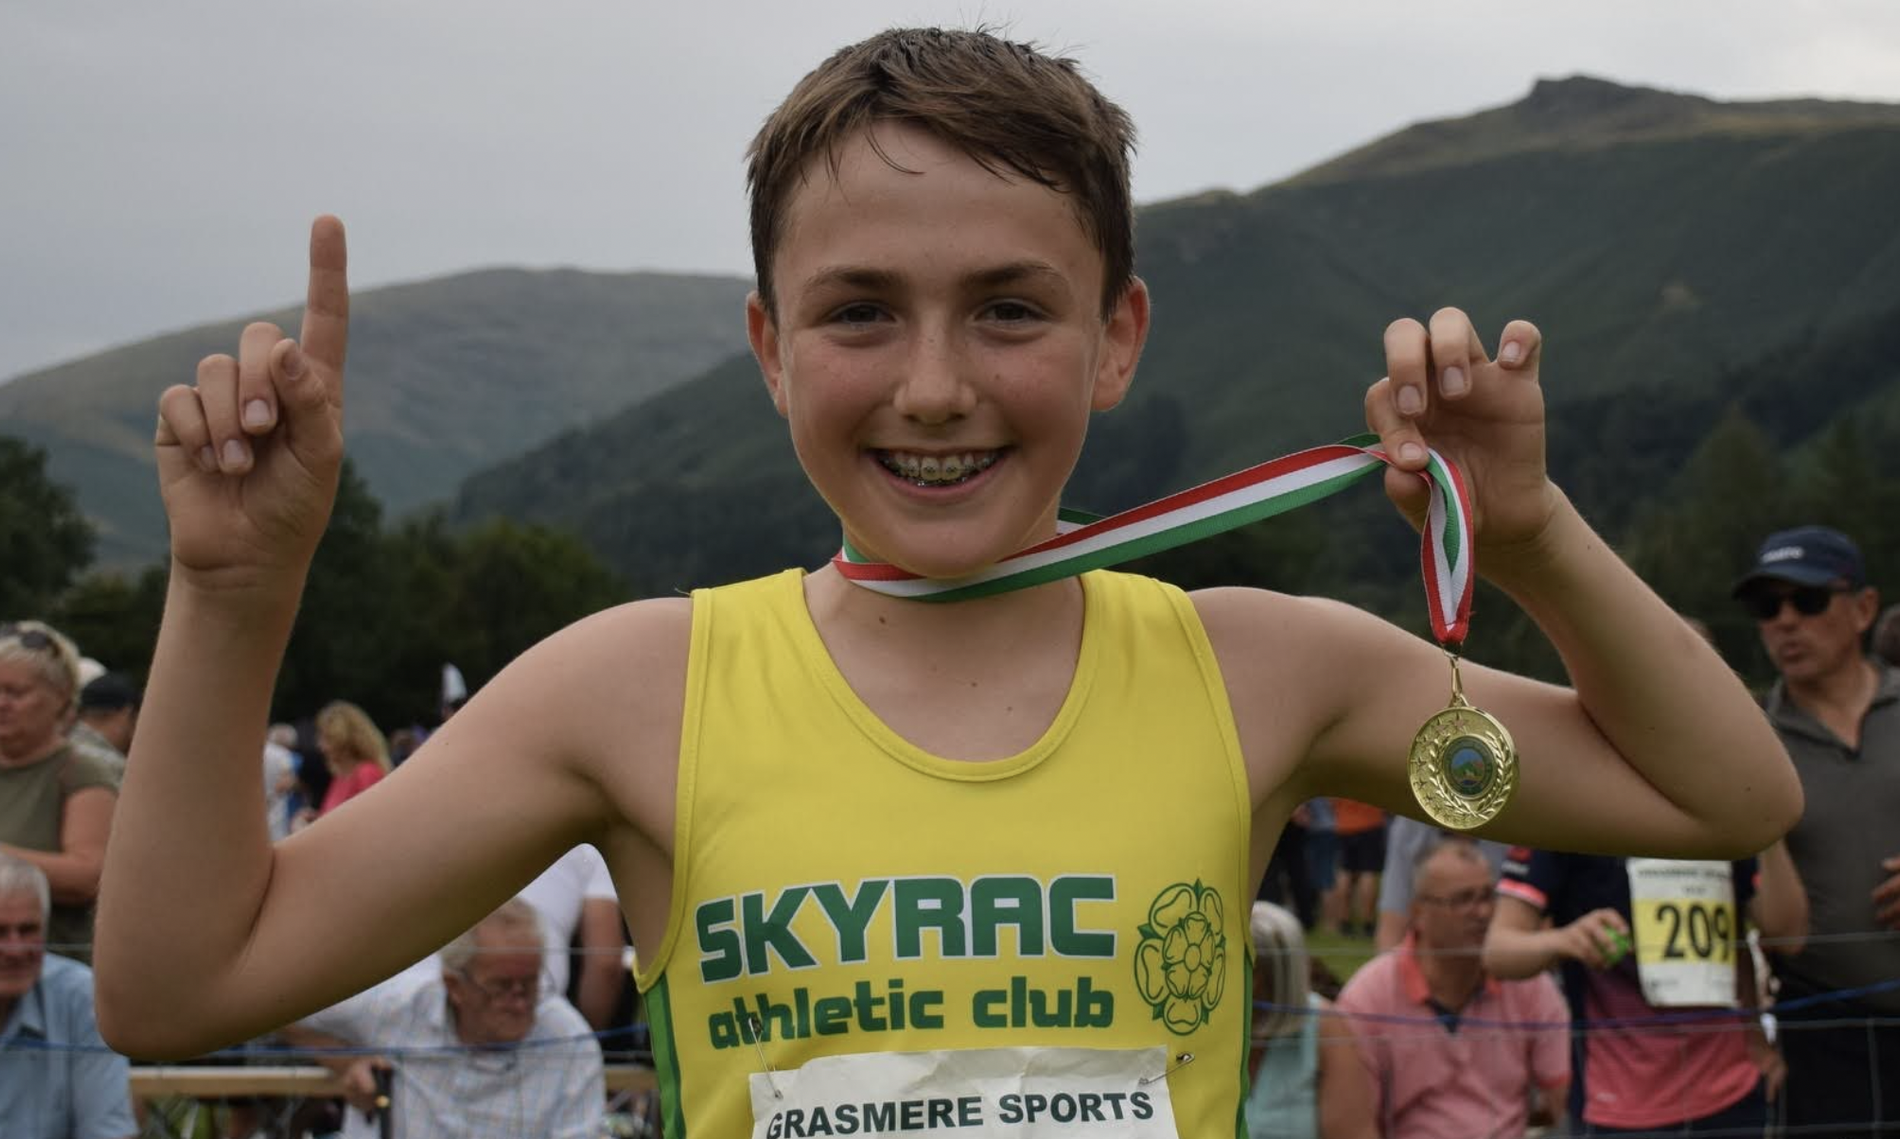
1008, 1093
1685, 927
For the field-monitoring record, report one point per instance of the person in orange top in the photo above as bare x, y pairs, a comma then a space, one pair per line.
1352, 905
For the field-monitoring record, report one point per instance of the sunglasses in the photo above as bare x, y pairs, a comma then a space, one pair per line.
32, 639
1809, 600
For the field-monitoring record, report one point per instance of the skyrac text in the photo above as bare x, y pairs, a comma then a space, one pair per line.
750, 934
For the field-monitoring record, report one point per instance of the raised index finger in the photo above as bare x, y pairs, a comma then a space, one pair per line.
326, 311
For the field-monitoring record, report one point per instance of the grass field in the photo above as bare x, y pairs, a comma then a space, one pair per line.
1338, 952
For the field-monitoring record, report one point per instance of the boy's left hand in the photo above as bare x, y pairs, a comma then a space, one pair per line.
1485, 414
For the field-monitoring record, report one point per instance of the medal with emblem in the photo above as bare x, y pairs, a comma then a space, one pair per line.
1463, 765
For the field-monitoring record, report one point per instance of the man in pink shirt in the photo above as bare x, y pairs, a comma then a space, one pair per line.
1455, 1054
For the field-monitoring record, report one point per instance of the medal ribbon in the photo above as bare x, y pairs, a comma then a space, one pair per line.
1085, 541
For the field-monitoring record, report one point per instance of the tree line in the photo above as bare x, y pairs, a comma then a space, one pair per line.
387, 604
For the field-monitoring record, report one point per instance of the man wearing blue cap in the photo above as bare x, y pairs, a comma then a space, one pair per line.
1838, 712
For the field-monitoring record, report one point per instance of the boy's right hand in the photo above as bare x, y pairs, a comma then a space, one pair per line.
248, 458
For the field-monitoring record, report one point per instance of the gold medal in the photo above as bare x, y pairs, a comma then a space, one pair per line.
1463, 764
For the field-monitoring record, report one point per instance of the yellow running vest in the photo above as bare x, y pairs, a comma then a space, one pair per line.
838, 891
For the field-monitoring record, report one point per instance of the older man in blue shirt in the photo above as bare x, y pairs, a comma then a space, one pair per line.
57, 1078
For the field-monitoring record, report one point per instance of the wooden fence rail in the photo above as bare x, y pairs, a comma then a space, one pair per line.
308, 1080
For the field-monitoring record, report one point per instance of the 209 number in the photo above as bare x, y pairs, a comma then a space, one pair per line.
1694, 930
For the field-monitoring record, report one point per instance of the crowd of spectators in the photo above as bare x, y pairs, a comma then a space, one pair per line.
476, 1049
1513, 989
1747, 998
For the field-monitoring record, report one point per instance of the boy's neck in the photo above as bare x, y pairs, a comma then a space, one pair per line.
970, 680
837, 604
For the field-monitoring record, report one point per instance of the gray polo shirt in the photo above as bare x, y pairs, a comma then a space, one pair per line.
1852, 821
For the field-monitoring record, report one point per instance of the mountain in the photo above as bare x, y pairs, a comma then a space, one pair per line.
1582, 111
1662, 241
446, 377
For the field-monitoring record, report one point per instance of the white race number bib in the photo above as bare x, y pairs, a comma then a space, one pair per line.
1006, 1093
1686, 929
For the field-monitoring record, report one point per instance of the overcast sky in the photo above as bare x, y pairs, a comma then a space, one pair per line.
160, 161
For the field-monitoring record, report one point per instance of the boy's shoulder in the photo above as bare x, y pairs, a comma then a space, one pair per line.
1252, 605
618, 670
1298, 669
636, 641
1255, 629
645, 617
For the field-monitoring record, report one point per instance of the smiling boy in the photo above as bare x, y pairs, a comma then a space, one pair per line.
982, 861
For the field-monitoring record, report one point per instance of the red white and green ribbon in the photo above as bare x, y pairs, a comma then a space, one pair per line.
1084, 542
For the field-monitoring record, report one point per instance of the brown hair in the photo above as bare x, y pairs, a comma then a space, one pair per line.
1011, 108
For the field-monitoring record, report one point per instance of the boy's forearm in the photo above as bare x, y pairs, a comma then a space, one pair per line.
191, 809
1654, 688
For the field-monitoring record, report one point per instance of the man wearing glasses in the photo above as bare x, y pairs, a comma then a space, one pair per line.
1453, 1051
1838, 712
58, 1080
486, 1047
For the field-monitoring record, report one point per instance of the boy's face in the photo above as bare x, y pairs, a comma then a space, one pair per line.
937, 349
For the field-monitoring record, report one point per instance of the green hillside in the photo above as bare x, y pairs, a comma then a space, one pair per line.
1673, 248
1579, 111
1663, 242
446, 377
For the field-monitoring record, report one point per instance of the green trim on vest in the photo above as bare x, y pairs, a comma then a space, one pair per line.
666, 1065
1246, 1052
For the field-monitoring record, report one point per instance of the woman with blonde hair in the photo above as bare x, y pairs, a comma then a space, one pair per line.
353, 749
1307, 1081
56, 801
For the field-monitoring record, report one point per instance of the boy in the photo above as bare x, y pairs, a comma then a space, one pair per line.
889, 861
